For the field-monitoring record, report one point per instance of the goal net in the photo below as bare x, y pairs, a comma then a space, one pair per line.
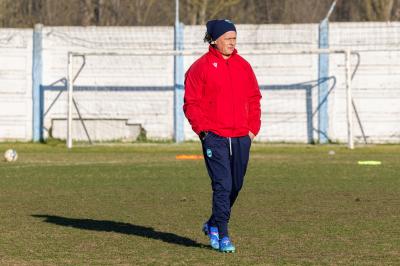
114, 96
119, 97
301, 104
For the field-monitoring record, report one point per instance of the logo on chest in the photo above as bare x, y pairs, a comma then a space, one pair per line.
215, 64
209, 153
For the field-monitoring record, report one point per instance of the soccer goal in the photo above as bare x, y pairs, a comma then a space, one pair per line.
119, 96
301, 104
96, 111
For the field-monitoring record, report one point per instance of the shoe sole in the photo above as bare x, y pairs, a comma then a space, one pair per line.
227, 251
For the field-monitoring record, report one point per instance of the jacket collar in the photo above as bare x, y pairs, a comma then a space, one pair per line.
218, 54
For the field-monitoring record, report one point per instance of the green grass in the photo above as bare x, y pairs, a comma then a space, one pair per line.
136, 204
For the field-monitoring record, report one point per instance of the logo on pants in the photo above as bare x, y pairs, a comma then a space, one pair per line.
209, 153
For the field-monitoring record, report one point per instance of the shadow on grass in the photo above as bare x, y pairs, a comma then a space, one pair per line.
122, 228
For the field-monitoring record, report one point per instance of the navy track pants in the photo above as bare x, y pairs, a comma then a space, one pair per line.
226, 161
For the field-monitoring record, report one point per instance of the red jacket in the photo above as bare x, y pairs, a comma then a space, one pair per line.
222, 95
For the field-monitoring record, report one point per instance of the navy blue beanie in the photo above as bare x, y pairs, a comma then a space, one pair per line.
218, 27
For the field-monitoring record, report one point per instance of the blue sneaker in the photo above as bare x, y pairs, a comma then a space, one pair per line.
212, 233
225, 245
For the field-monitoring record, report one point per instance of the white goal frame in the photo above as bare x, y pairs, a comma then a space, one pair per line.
346, 52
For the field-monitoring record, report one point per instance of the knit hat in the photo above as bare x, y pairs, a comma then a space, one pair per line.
218, 27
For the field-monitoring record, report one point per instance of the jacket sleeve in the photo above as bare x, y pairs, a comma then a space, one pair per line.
254, 104
194, 80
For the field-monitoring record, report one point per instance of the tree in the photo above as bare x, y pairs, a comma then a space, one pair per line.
378, 9
368, 10
199, 11
25, 13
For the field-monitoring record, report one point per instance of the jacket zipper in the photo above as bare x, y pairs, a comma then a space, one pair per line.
233, 104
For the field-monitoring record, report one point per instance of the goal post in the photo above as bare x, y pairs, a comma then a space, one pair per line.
70, 82
71, 75
349, 101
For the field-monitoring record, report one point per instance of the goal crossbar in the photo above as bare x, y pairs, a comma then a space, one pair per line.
189, 52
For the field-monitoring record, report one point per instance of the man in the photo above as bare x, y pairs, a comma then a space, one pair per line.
222, 104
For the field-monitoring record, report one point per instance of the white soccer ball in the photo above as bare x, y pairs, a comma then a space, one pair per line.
10, 155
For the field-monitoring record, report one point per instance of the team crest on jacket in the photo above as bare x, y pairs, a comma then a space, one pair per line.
209, 153
215, 64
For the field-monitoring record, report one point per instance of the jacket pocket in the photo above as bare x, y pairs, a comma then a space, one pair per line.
211, 111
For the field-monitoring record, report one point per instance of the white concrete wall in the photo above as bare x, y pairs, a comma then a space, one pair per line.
15, 84
139, 88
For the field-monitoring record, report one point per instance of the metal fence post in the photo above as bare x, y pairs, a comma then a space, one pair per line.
323, 87
178, 85
37, 93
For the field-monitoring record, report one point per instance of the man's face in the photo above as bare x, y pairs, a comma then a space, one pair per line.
226, 43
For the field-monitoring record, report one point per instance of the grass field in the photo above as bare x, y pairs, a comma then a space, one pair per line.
137, 204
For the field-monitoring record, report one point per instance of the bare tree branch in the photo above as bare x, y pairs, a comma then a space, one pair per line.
25, 13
